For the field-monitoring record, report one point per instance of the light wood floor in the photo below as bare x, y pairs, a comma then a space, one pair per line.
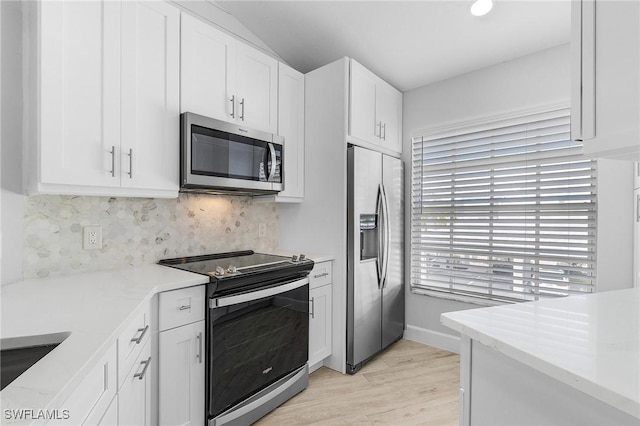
408, 384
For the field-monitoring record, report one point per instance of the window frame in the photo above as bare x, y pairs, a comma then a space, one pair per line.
522, 116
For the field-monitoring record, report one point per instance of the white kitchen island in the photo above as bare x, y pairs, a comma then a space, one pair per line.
570, 361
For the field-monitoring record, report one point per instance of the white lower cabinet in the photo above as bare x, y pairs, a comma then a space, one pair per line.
182, 357
319, 324
90, 400
110, 417
320, 279
134, 406
182, 375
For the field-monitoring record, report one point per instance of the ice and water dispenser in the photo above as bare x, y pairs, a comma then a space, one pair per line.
369, 236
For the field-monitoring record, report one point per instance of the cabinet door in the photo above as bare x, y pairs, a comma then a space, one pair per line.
79, 131
150, 95
134, 397
389, 113
256, 89
207, 68
181, 370
108, 418
291, 127
362, 107
319, 324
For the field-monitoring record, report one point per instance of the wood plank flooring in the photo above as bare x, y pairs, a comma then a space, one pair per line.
408, 384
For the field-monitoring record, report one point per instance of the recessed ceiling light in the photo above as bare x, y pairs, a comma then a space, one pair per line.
481, 7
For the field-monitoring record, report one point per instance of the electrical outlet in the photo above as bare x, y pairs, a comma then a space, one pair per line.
262, 230
92, 237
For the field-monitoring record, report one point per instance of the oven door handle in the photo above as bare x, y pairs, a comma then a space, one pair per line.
255, 295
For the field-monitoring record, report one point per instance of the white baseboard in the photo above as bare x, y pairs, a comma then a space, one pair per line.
433, 338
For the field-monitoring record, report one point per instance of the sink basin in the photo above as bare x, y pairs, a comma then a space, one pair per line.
18, 354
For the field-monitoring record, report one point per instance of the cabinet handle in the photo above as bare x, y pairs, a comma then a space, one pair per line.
113, 161
130, 163
637, 208
184, 307
199, 355
139, 338
242, 113
233, 106
141, 374
324, 274
384, 131
313, 307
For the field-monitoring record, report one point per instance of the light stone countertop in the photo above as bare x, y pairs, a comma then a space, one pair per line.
589, 342
316, 257
93, 307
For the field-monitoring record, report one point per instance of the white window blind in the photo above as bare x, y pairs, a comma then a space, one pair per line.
504, 214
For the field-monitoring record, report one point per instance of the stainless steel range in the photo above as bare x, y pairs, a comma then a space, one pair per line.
257, 331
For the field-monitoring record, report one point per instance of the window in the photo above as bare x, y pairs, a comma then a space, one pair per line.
506, 213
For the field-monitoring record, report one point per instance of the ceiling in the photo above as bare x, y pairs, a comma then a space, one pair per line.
407, 43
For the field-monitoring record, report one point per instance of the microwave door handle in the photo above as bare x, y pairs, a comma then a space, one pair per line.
272, 155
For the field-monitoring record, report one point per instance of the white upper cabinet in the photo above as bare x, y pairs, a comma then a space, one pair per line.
257, 89
375, 111
79, 93
150, 95
208, 58
106, 98
225, 79
362, 107
291, 127
605, 97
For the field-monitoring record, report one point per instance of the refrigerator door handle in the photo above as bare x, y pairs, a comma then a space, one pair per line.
380, 212
386, 237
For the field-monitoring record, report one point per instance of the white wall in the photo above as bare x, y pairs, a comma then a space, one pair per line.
11, 200
522, 84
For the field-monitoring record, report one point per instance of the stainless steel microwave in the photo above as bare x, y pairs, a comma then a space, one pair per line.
220, 157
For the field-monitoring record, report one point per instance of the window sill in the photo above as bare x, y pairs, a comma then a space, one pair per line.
459, 298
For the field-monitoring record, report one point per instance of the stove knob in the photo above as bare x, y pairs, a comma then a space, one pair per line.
219, 271
294, 258
303, 257
232, 269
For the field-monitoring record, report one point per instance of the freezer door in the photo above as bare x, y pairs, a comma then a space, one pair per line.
393, 289
364, 319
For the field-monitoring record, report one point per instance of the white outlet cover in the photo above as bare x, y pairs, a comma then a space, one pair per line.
92, 237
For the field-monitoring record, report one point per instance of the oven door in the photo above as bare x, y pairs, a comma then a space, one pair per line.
255, 339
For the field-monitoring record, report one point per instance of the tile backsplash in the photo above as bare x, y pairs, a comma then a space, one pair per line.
137, 231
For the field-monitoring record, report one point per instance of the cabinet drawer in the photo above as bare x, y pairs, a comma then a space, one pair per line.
320, 275
180, 307
91, 398
131, 342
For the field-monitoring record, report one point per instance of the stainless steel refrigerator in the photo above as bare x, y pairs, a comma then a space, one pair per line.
375, 283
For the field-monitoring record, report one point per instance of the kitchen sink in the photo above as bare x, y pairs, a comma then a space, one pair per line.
18, 354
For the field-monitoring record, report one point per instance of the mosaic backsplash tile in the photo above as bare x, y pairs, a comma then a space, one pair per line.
138, 231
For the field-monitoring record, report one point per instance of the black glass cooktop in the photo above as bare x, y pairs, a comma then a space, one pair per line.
233, 264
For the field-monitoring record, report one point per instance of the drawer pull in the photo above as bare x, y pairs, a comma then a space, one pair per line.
184, 307
141, 374
324, 274
139, 338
